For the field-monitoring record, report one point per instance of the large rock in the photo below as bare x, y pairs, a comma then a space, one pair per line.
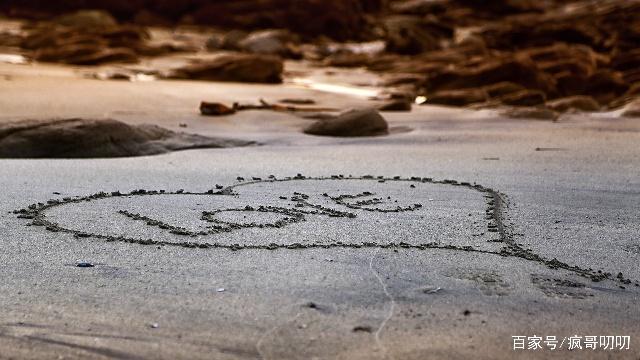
578, 102
520, 71
88, 138
357, 122
412, 35
52, 42
339, 19
250, 68
271, 42
632, 109
523, 98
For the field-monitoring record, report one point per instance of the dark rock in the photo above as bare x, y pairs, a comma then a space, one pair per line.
502, 88
523, 98
84, 264
412, 35
357, 122
234, 67
396, 105
297, 101
215, 109
520, 71
362, 328
578, 102
632, 109
88, 138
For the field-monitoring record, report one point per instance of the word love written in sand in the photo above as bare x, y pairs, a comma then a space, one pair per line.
302, 212
293, 212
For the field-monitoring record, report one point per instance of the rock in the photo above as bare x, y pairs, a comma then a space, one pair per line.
578, 102
396, 105
91, 46
530, 112
85, 19
356, 122
298, 101
229, 41
215, 109
502, 88
632, 109
362, 328
86, 55
457, 97
84, 264
520, 71
523, 98
249, 68
605, 86
412, 35
270, 42
88, 138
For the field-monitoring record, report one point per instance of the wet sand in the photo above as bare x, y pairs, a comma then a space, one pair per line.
429, 283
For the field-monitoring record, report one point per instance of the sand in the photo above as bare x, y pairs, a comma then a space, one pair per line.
566, 190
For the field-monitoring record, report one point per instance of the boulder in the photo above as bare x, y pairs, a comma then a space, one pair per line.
89, 138
355, 122
578, 102
251, 68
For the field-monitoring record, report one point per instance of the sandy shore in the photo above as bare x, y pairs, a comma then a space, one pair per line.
570, 190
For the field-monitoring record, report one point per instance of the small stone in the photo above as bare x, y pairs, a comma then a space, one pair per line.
154, 325
362, 328
220, 289
215, 109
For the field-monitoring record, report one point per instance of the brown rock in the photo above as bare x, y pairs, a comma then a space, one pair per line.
396, 105
457, 97
412, 34
632, 109
604, 86
249, 68
358, 122
502, 88
215, 109
578, 102
490, 71
88, 138
523, 98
